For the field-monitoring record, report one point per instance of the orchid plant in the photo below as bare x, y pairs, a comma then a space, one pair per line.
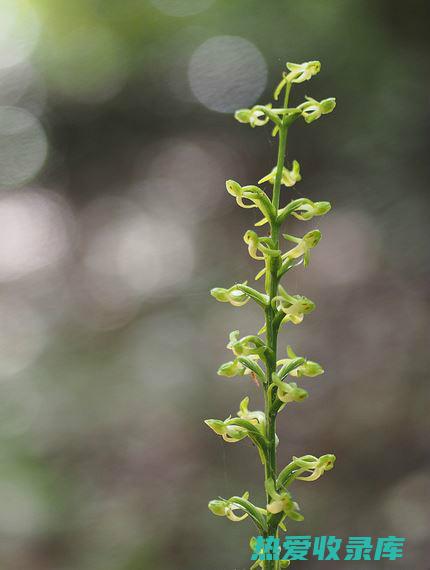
257, 354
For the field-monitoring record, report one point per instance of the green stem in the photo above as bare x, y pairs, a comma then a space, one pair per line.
283, 134
272, 282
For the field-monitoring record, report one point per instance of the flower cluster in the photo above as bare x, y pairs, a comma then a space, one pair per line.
257, 355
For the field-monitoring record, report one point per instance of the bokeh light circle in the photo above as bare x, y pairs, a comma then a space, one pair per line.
23, 146
22, 86
19, 32
181, 8
35, 232
227, 73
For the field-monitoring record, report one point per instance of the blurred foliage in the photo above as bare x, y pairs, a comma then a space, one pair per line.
108, 253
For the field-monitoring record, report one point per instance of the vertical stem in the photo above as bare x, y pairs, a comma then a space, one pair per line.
283, 133
271, 285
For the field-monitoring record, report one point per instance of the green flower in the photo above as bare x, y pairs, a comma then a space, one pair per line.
223, 508
229, 433
303, 247
310, 209
316, 466
299, 72
248, 345
308, 368
313, 109
256, 117
234, 296
257, 418
288, 392
282, 503
236, 368
294, 306
289, 177
236, 190
256, 244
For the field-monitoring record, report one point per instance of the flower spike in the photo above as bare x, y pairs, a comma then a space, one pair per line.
257, 355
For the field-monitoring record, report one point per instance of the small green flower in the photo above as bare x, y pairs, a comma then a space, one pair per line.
248, 345
223, 508
289, 177
299, 72
234, 296
294, 306
316, 466
288, 392
256, 117
236, 368
282, 503
310, 209
313, 109
236, 190
308, 368
257, 418
303, 247
229, 433
256, 244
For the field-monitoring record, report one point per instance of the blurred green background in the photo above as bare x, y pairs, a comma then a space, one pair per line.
116, 138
